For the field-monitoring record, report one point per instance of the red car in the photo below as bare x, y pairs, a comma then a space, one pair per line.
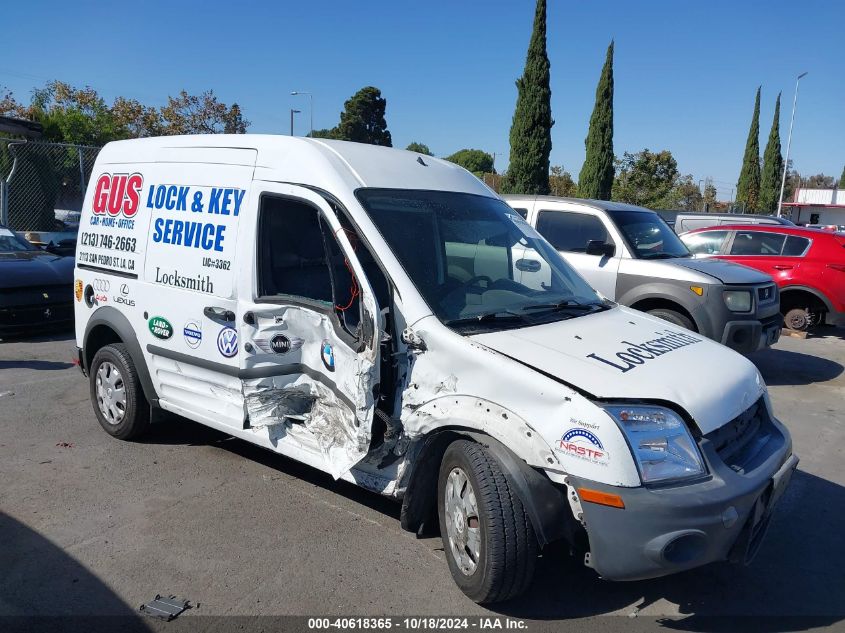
808, 265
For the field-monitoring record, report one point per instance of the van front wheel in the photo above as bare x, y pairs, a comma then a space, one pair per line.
116, 393
487, 536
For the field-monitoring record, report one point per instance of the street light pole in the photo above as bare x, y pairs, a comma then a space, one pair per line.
292, 112
702, 193
296, 93
789, 143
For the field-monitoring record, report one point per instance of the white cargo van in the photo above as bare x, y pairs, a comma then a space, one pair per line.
360, 309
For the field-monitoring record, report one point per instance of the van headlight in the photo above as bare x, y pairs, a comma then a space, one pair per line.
660, 441
737, 300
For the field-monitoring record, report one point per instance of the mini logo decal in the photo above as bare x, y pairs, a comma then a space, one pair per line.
160, 327
583, 444
227, 342
327, 354
280, 344
193, 334
77, 289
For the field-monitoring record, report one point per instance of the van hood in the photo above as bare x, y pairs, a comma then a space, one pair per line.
726, 272
624, 354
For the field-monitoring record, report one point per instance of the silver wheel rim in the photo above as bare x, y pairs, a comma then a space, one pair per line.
111, 393
463, 526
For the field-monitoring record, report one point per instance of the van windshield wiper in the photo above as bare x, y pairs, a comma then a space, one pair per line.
568, 305
503, 316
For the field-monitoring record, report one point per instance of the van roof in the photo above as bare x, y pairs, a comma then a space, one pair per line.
602, 205
301, 160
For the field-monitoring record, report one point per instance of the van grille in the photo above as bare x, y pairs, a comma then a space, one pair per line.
739, 441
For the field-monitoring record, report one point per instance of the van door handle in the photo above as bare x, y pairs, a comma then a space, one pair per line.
782, 267
218, 314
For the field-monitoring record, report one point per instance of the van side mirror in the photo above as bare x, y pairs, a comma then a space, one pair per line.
599, 247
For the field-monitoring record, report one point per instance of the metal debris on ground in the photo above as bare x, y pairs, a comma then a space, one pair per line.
65, 444
165, 608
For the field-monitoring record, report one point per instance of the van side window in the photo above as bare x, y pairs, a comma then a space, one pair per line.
571, 231
757, 243
298, 256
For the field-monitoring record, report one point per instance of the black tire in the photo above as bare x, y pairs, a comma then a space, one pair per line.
798, 319
135, 418
673, 317
508, 546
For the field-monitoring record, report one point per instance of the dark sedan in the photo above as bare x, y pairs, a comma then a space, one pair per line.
36, 287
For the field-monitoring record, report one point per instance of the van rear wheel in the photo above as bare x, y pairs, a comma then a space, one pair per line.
487, 536
116, 393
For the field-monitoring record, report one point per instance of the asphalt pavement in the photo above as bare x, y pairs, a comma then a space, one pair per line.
92, 525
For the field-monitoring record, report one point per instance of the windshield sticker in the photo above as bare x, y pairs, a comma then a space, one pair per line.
583, 444
638, 353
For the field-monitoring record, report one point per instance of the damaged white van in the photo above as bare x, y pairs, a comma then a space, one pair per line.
372, 313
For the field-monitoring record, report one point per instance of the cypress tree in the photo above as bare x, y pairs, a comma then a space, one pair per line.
842, 179
772, 167
531, 130
596, 178
748, 186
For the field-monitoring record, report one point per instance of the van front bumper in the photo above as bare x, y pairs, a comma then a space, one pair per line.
665, 530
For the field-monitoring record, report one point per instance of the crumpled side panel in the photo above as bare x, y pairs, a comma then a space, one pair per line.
271, 402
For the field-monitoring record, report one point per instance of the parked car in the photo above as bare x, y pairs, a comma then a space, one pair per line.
36, 287
630, 255
833, 228
808, 266
687, 221
365, 310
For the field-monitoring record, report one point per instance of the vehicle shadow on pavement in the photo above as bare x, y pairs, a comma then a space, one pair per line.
174, 430
796, 578
42, 588
781, 367
60, 335
39, 365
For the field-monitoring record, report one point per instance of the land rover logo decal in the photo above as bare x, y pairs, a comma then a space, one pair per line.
280, 344
160, 327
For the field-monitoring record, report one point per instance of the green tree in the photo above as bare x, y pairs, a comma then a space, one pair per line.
531, 129
748, 186
561, 183
709, 195
772, 167
684, 195
419, 148
474, 160
818, 181
596, 178
328, 132
646, 178
842, 179
362, 119
201, 114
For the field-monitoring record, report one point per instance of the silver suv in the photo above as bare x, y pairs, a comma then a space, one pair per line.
630, 255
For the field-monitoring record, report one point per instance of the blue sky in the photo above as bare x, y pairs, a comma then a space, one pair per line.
685, 72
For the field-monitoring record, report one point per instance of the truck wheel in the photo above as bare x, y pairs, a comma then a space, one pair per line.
798, 319
487, 536
116, 393
673, 317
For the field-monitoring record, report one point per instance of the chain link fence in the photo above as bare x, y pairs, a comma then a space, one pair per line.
42, 185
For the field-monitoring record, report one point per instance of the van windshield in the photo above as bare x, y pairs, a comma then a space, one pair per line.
477, 263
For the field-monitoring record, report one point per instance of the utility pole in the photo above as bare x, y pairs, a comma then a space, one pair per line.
310, 96
789, 143
292, 112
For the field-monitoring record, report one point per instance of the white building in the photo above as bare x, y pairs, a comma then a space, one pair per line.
817, 206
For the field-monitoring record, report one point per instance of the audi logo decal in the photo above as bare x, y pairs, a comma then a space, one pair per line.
101, 285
